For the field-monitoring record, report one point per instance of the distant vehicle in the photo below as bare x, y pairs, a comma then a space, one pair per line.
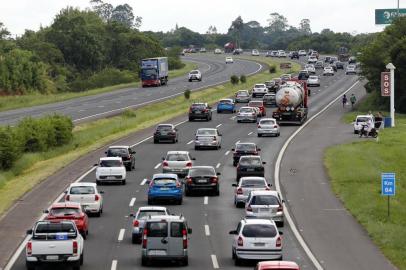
229, 47
352, 60
351, 69
126, 153
255, 52
313, 81
277, 265
282, 54
238, 51
200, 111
259, 89
226, 105
328, 71
174, 231
274, 53
202, 50
343, 54
229, 60
310, 68
243, 149
154, 71
294, 55
327, 59
247, 114
217, 51
166, 132
141, 216
319, 65
110, 169
256, 239
269, 100
250, 166
268, 127
242, 96
207, 138
363, 120
302, 53
286, 77
87, 195
339, 65
266, 204
54, 242
195, 75
165, 187
315, 54
333, 59
202, 178
268, 54
178, 162
312, 60
245, 186
303, 75
271, 85
260, 105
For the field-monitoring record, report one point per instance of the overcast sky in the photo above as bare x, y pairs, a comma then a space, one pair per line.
354, 16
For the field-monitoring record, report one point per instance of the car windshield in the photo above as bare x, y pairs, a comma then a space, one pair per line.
177, 157
150, 213
201, 172
256, 104
164, 181
150, 73
246, 147
259, 231
211, 132
64, 211
164, 127
82, 190
110, 163
246, 110
250, 161
117, 152
253, 183
225, 101
264, 200
267, 122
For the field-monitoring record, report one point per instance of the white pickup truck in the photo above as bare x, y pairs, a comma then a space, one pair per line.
54, 242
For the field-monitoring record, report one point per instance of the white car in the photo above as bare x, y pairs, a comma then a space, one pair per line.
312, 60
246, 185
229, 60
255, 52
178, 162
111, 169
313, 80
217, 51
351, 69
302, 53
259, 89
363, 120
247, 114
202, 50
281, 54
268, 126
328, 71
310, 68
87, 195
139, 218
195, 75
265, 204
207, 138
256, 239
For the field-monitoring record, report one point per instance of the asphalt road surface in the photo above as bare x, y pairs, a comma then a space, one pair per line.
207, 251
214, 71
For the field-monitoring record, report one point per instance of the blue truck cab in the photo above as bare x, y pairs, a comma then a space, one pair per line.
154, 71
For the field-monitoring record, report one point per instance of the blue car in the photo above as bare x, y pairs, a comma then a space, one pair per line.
165, 187
226, 105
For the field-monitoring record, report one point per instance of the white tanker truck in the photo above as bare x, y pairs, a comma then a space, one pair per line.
291, 100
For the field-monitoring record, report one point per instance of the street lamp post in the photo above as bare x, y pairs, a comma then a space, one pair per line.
392, 68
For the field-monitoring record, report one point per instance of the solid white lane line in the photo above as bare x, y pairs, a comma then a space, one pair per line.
143, 182
218, 165
206, 200
114, 265
214, 261
190, 142
157, 166
121, 235
250, 133
132, 202
207, 230
228, 152
219, 125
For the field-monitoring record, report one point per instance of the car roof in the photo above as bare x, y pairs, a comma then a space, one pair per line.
258, 221
110, 158
267, 119
167, 217
83, 184
264, 192
119, 146
177, 152
199, 103
163, 124
167, 175
202, 167
206, 129
227, 99
366, 115
262, 84
65, 205
278, 265
195, 70
248, 178
251, 156
245, 143
247, 107
152, 208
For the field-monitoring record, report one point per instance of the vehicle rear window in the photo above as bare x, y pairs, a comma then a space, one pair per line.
55, 228
177, 157
206, 132
246, 110
253, 183
64, 211
194, 72
259, 230
164, 127
259, 86
242, 94
245, 147
110, 163
164, 181
117, 152
201, 172
176, 229
313, 77
264, 200
143, 214
157, 229
225, 101
362, 119
267, 122
256, 103
245, 161
82, 190
198, 106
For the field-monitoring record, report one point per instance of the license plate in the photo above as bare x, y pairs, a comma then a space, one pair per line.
202, 181
52, 257
259, 244
250, 170
164, 188
198, 112
264, 210
157, 252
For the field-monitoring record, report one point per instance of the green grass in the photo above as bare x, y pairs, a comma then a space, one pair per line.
33, 168
16, 102
355, 171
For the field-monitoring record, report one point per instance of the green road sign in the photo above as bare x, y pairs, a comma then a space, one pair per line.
386, 16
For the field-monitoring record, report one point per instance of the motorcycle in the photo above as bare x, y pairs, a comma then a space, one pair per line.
364, 132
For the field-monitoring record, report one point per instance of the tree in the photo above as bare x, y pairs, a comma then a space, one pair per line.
4, 33
212, 30
277, 22
122, 13
104, 10
235, 30
305, 26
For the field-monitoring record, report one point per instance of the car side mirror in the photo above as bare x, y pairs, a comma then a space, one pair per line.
65, 192
193, 158
131, 215
218, 173
233, 232
233, 149
259, 149
46, 211
283, 201
220, 134
234, 185
101, 191
189, 230
280, 233
269, 185
96, 164
105, 152
29, 231
163, 158
263, 162
148, 181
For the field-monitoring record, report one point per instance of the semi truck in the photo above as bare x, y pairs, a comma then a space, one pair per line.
154, 71
291, 100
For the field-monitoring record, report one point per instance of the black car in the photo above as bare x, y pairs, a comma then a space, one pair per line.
269, 100
126, 154
200, 111
339, 65
166, 132
244, 149
272, 86
250, 166
303, 75
294, 55
333, 65
202, 178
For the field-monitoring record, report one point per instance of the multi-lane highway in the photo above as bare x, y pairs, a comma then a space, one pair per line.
214, 71
210, 217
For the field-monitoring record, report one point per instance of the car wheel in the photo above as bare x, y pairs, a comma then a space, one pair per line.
235, 164
81, 258
237, 261
196, 148
355, 131
217, 191
179, 201
190, 119
185, 261
259, 135
84, 235
233, 254
98, 214
281, 223
98, 183
156, 141
190, 80
29, 266
238, 121
134, 239
144, 261
76, 267
129, 168
123, 182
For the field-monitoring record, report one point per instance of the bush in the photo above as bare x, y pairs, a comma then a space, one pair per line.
243, 79
187, 94
62, 127
272, 69
32, 136
129, 113
234, 79
9, 148
175, 63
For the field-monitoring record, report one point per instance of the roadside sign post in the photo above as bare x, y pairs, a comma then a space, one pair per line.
392, 68
388, 187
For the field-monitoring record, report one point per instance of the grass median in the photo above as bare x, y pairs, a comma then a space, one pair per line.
31, 169
24, 101
355, 172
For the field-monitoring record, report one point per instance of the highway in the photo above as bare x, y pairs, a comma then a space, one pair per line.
211, 218
214, 71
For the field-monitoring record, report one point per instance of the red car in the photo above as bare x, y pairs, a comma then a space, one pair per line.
69, 211
275, 265
259, 105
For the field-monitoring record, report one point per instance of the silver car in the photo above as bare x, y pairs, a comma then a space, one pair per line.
177, 162
247, 114
242, 96
351, 69
207, 138
268, 126
142, 214
265, 204
313, 81
310, 68
328, 71
245, 186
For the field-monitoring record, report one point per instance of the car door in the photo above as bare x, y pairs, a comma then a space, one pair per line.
176, 238
157, 238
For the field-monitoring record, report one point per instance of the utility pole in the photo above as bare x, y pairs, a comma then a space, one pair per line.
392, 68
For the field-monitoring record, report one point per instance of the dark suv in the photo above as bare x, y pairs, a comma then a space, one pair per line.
244, 149
250, 166
166, 132
294, 55
202, 178
200, 111
126, 154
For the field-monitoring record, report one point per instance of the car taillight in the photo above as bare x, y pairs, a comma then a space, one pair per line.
189, 180
67, 197
75, 248
144, 238
189, 164
259, 126
214, 179
279, 242
96, 197
136, 223
239, 191
240, 241
214, 138
165, 164
184, 234
249, 208
178, 185
190, 109
29, 248
205, 110
275, 126
280, 208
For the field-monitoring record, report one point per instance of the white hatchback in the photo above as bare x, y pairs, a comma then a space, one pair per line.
268, 126
177, 162
111, 169
259, 89
265, 204
229, 60
87, 195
